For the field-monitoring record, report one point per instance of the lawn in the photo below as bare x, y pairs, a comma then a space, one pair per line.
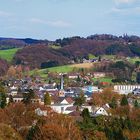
8, 54
54, 47
104, 79
59, 69
83, 65
62, 69
133, 59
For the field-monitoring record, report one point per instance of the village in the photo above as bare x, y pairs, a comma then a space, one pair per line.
69, 98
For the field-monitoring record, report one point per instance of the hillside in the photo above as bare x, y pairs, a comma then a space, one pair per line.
75, 49
39, 56
3, 67
8, 54
44, 53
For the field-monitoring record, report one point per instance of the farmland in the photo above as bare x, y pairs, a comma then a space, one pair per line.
8, 54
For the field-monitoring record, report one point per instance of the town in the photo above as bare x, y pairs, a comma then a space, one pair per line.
80, 94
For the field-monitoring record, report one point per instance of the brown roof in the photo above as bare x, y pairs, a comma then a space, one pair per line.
69, 100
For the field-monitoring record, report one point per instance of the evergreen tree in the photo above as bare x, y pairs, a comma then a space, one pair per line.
80, 100
2, 100
27, 97
2, 97
138, 78
136, 104
47, 99
124, 101
11, 99
85, 113
32, 131
113, 103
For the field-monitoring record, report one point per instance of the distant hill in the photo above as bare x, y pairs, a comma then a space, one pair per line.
8, 43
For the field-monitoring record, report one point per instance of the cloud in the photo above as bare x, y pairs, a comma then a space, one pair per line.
126, 7
56, 23
126, 11
125, 1
5, 14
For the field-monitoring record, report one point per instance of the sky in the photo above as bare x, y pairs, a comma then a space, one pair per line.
53, 19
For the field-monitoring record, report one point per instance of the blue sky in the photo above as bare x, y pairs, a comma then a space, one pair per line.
52, 19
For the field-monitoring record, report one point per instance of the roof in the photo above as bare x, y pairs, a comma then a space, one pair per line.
69, 100
71, 108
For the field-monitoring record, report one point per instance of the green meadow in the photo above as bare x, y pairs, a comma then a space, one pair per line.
8, 54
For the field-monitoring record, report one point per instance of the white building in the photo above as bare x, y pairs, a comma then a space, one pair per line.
62, 106
125, 89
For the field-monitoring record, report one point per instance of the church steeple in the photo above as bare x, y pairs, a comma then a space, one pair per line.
61, 91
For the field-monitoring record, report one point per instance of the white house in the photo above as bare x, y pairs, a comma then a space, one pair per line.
61, 106
99, 74
97, 111
40, 112
101, 111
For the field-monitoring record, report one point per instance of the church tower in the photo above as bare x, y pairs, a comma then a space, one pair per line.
61, 91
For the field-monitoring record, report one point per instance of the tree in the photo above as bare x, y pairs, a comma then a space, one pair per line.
80, 100
47, 99
10, 99
8, 133
27, 97
86, 115
138, 78
56, 127
124, 101
2, 97
19, 71
113, 103
136, 104
137, 64
11, 72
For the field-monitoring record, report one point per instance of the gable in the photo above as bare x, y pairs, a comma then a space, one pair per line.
64, 102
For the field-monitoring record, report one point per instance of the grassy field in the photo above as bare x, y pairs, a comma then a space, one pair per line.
8, 54
133, 59
82, 65
62, 69
59, 69
55, 47
104, 79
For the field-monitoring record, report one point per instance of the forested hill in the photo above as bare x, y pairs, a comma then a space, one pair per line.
44, 53
8, 43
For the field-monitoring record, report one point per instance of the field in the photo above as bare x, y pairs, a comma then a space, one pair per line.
8, 54
62, 69
104, 79
82, 65
54, 47
59, 69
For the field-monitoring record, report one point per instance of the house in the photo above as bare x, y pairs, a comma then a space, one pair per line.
16, 98
97, 111
62, 104
91, 89
40, 112
73, 75
90, 109
136, 91
100, 111
13, 90
99, 74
